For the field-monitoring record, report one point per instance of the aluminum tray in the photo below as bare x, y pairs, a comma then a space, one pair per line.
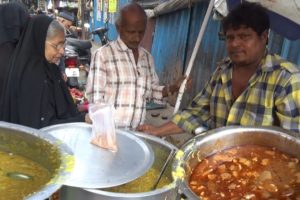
99, 168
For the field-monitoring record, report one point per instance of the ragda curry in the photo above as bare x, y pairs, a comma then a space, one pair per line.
143, 183
247, 172
20, 176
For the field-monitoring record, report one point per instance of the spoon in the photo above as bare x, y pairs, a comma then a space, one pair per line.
172, 153
18, 176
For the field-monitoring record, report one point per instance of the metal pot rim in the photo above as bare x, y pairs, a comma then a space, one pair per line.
141, 194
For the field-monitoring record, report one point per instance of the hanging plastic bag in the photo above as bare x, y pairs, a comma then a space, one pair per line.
103, 131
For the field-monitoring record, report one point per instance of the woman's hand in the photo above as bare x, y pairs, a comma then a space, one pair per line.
87, 119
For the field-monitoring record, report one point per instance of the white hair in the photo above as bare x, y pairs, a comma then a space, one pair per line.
54, 28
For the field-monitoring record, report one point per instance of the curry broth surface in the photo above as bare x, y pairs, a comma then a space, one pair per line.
16, 189
247, 172
143, 183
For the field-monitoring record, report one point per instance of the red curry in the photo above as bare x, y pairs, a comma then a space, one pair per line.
247, 172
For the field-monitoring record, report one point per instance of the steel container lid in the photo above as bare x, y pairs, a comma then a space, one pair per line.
99, 168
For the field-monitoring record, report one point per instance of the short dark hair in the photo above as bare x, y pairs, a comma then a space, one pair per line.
67, 16
252, 15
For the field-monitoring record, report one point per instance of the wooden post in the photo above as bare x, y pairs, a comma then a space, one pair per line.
83, 19
194, 53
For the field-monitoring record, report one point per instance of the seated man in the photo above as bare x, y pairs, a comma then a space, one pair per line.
252, 87
67, 19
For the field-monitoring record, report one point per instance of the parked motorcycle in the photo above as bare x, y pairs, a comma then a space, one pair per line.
77, 63
102, 33
77, 60
78, 56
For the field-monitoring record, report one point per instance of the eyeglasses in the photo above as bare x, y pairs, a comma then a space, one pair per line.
57, 46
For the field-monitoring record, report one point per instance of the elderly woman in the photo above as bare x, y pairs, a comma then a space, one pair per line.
35, 94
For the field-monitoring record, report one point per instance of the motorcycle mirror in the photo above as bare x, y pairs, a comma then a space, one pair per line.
106, 20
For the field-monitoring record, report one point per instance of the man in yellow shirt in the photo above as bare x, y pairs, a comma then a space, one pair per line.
252, 87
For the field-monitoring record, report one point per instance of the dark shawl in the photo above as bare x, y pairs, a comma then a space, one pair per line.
13, 19
35, 94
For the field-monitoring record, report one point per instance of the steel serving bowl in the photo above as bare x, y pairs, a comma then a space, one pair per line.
101, 168
161, 149
211, 142
41, 148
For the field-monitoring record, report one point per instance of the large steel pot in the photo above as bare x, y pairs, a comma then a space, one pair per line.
219, 139
41, 148
161, 149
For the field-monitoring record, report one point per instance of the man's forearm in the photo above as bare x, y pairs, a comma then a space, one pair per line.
168, 128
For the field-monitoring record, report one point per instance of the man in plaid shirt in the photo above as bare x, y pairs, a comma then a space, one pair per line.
123, 73
251, 88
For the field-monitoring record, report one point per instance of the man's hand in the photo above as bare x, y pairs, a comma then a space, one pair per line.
169, 128
147, 128
83, 68
176, 86
189, 83
75, 28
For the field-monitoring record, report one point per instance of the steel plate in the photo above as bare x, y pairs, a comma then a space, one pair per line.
99, 168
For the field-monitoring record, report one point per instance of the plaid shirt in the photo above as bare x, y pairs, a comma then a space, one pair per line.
115, 78
271, 98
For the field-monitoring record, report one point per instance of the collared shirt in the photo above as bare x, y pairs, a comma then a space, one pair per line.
116, 79
272, 98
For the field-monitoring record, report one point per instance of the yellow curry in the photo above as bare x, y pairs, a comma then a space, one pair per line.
143, 183
20, 176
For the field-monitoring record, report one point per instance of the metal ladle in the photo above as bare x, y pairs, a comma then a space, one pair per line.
163, 169
18, 176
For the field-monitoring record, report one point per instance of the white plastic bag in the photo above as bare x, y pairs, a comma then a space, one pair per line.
103, 131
